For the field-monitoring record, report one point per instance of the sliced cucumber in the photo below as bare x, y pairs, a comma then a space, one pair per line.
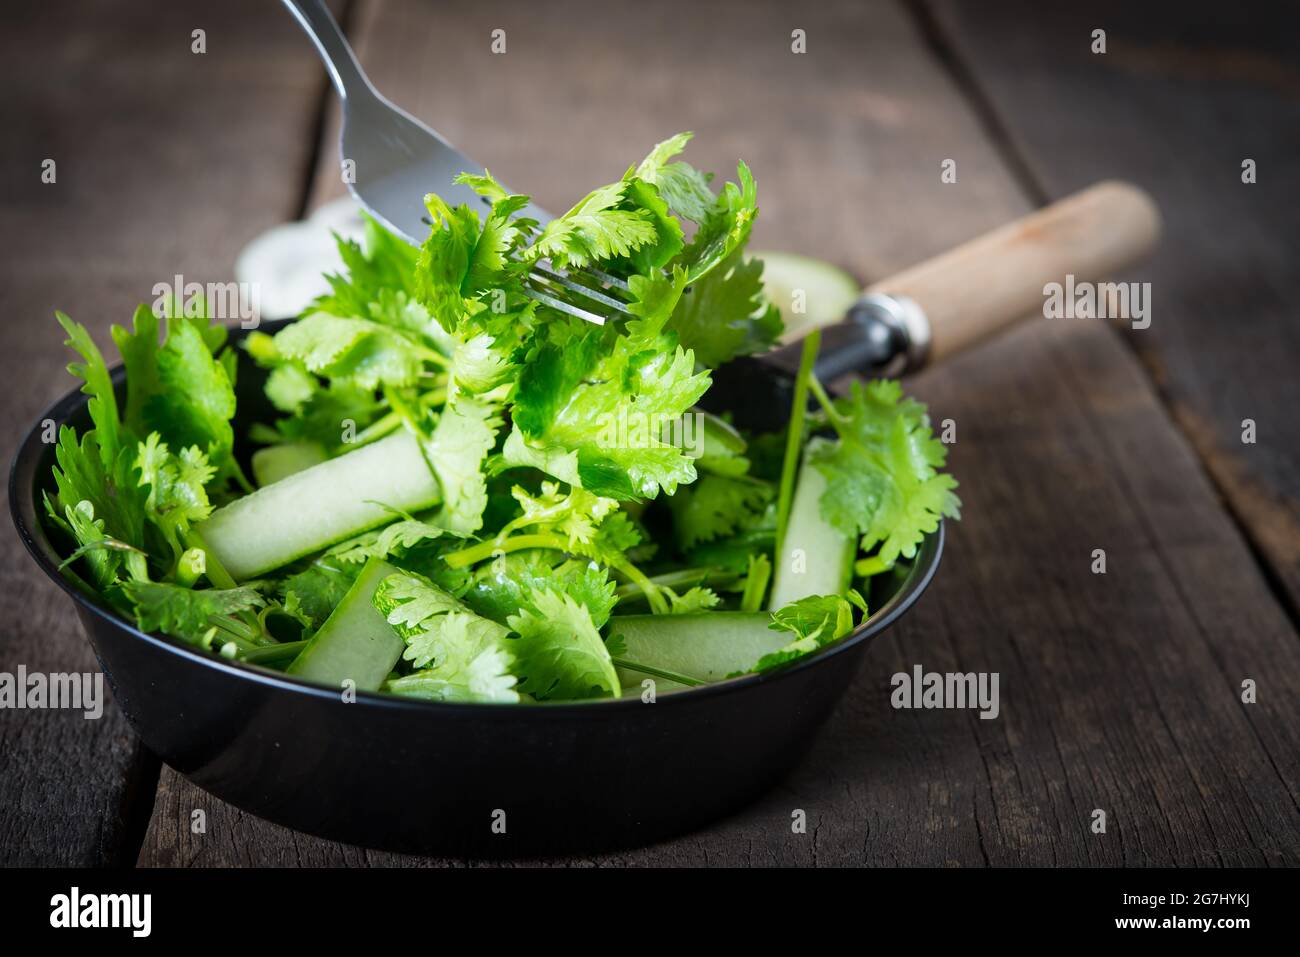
280, 461
828, 291
816, 557
708, 646
319, 506
355, 641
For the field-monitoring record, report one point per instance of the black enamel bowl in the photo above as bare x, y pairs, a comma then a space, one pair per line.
415, 776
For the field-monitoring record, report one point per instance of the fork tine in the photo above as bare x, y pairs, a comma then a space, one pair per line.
587, 292
595, 295
606, 278
563, 306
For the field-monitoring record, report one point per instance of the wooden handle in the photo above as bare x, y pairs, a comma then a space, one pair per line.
982, 286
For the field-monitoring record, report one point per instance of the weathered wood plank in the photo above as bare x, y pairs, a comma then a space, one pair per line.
162, 168
1119, 691
1182, 96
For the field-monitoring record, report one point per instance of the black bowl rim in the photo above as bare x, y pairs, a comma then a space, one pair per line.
25, 513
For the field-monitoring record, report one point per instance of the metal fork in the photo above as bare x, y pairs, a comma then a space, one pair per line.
390, 160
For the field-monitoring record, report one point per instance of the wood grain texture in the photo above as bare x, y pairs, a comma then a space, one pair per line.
162, 168
1182, 96
1120, 692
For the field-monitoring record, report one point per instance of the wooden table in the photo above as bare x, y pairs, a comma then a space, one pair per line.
1120, 692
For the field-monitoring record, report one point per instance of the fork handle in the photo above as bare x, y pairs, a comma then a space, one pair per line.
346, 74
964, 296
981, 287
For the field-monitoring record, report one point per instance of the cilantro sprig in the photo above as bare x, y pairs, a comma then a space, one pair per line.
882, 475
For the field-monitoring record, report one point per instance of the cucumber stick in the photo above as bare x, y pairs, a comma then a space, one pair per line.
355, 641
827, 291
816, 557
319, 506
280, 461
708, 646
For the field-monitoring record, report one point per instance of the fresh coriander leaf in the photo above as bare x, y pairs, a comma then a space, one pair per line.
139, 348
829, 615
644, 198
464, 435
683, 188
725, 228
492, 261
187, 613
177, 497
815, 622
617, 534
595, 229
559, 652
289, 387
443, 264
460, 656
380, 273
479, 365
656, 298
616, 645
485, 677
485, 185
562, 464
324, 417
195, 311
658, 157
587, 584
715, 507
882, 474
403, 312
97, 384
384, 542
357, 351
431, 621
610, 411
695, 600
574, 515
191, 399
427, 559
500, 586
551, 376
726, 313
311, 595
113, 493
104, 562
686, 191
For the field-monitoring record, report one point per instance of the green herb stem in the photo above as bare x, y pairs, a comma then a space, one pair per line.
276, 652
232, 632
872, 565
760, 573
212, 566
658, 604
681, 578
392, 421
837, 421
794, 437
517, 543
503, 546
234, 626
188, 566
664, 673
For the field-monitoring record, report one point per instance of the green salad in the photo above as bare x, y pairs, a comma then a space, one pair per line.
468, 494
